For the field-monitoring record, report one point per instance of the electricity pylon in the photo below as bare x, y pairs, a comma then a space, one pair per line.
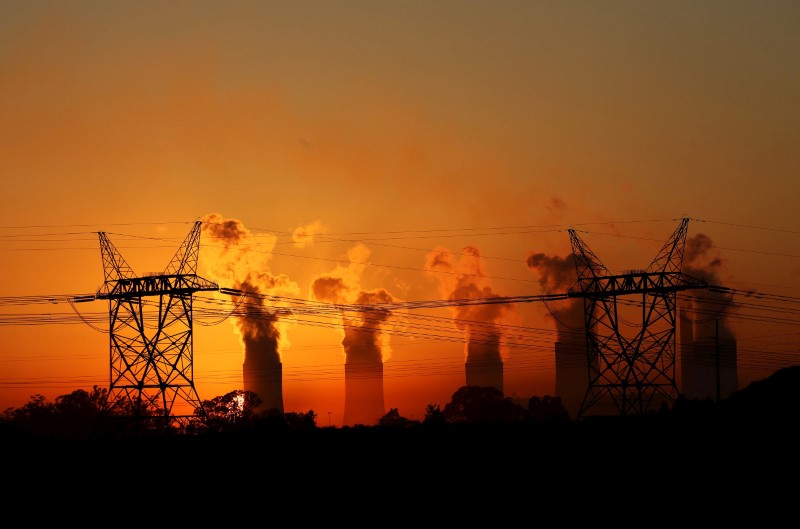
150, 329
632, 373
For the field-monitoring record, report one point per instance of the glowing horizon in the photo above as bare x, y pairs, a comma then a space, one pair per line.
402, 152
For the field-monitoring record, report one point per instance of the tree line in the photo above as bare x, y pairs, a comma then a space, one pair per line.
75, 415
763, 405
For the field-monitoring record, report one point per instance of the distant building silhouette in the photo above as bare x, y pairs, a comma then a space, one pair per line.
572, 375
572, 372
484, 366
266, 381
701, 342
485, 373
363, 393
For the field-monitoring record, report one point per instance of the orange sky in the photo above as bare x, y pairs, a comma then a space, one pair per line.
390, 131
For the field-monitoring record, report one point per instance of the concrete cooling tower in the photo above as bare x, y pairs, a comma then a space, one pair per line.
484, 373
572, 373
708, 360
363, 393
266, 381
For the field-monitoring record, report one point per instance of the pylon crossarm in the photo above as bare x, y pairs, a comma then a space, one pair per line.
185, 259
114, 266
638, 282
670, 257
155, 286
587, 264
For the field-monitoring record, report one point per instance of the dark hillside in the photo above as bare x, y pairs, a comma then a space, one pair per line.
776, 397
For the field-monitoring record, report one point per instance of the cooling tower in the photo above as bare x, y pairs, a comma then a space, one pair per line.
485, 373
572, 373
363, 393
708, 358
266, 381
484, 365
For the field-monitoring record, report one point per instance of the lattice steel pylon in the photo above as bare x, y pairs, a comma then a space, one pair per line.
151, 340
631, 373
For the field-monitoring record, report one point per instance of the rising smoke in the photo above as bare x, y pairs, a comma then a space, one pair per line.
483, 324
304, 236
702, 261
365, 335
236, 258
557, 275
364, 338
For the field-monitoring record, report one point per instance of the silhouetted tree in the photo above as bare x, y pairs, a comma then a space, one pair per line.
433, 415
124, 406
270, 419
82, 402
482, 404
235, 410
547, 409
72, 415
301, 421
77, 412
34, 417
393, 419
126, 416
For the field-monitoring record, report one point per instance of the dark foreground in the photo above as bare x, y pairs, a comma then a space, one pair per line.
649, 470
709, 464
613, 444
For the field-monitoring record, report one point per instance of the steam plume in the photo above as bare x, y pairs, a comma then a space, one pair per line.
482, 324
364, 339
365, 345
708, 345
304, 236
702, 262
558, 274
238, 259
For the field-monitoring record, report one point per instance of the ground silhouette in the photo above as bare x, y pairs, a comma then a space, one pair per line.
478, 429
670, 463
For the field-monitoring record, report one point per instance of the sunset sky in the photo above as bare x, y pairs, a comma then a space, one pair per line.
412, 142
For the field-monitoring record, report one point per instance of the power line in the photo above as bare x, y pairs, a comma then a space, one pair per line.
749, 226
757, 306
37, 226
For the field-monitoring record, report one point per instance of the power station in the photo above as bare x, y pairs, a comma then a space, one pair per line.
617, 372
